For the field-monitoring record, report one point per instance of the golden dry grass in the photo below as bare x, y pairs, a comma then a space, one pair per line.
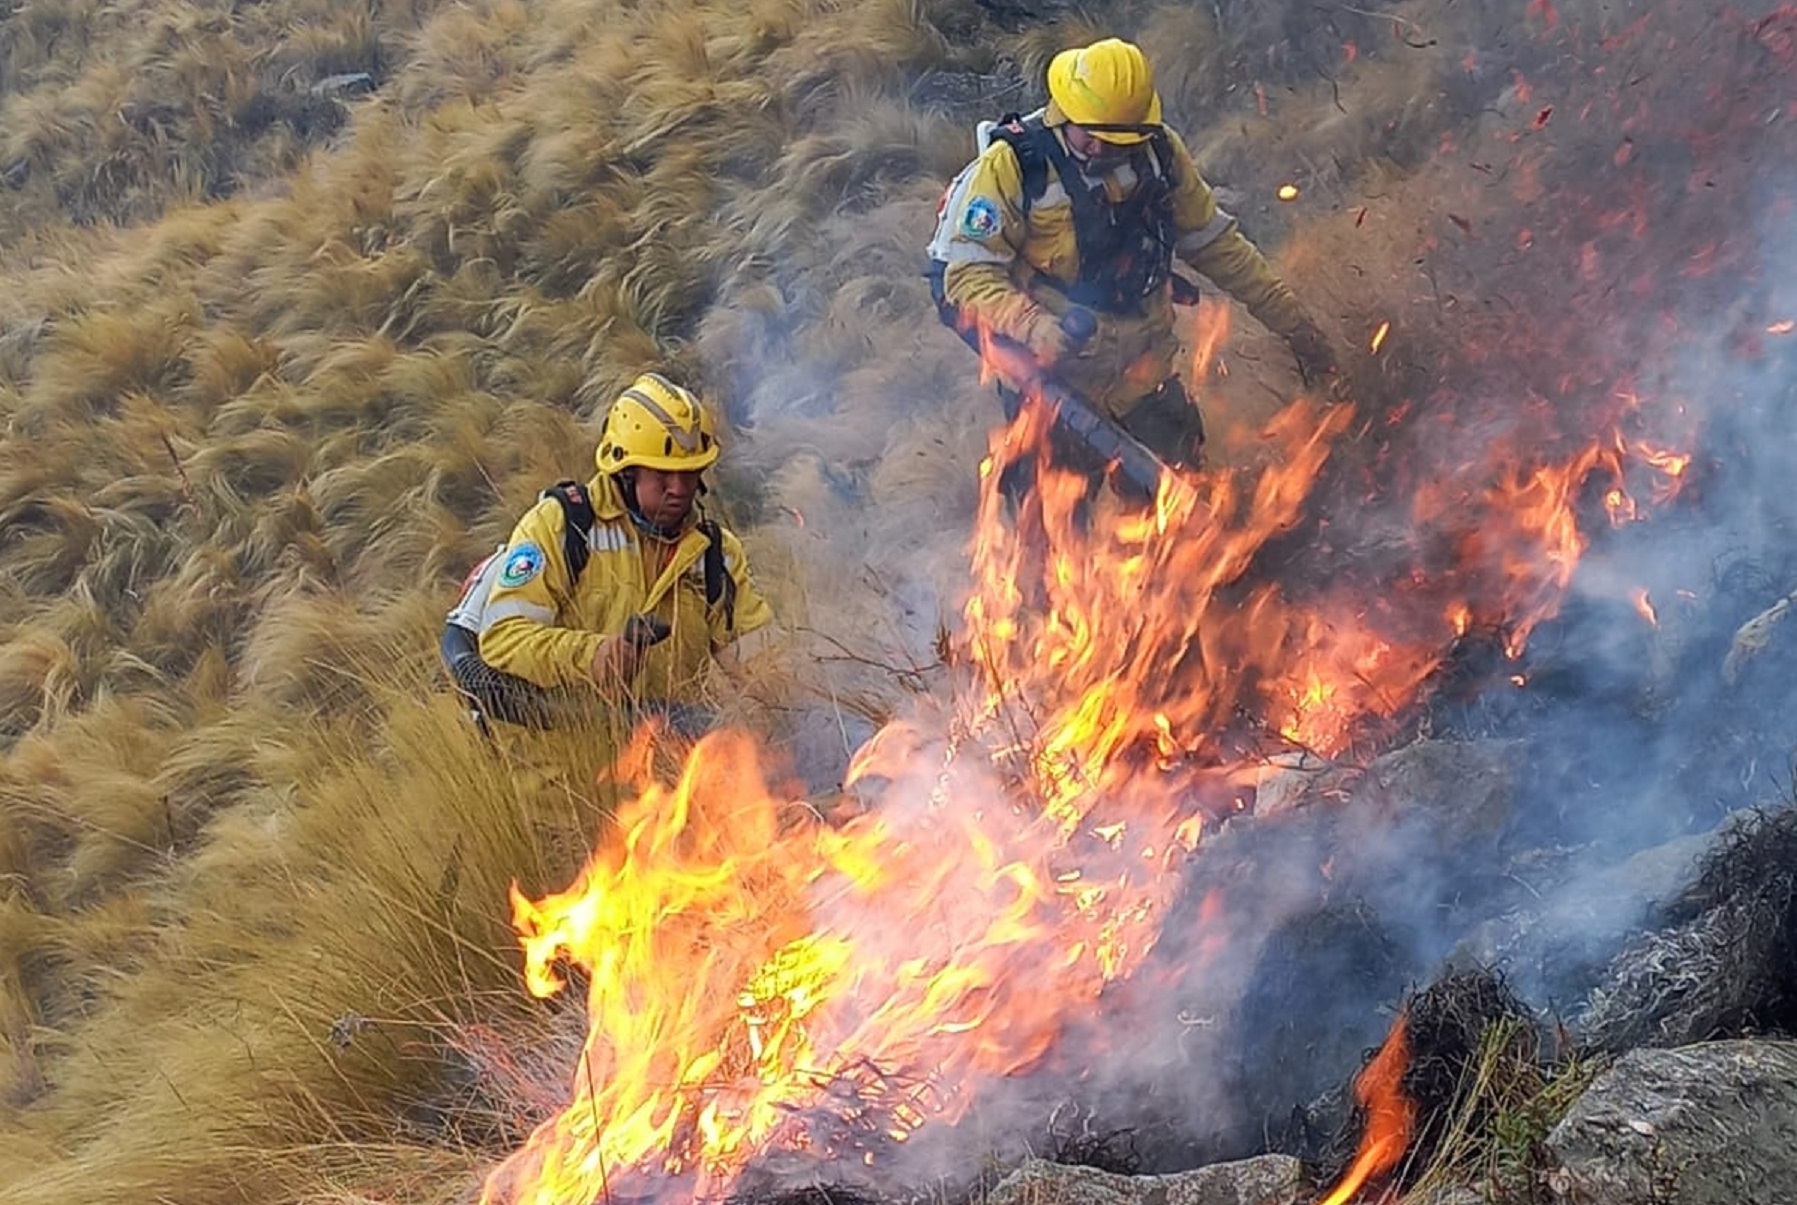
255, 432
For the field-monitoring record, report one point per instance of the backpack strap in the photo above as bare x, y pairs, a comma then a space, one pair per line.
577, 524
1033, 143
720, 587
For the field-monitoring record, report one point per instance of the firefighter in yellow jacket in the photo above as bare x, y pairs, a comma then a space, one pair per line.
1062, 233
621, 586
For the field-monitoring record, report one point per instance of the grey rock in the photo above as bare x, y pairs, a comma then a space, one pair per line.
1719, 965
1579, 919
1461, 791
350, 83
1710, 1124
1264, 1180
1295, 780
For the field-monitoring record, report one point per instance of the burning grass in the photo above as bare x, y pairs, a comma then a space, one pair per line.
1460, 1095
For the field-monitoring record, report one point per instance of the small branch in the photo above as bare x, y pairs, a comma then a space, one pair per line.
912, 676
1392, 17
180, 470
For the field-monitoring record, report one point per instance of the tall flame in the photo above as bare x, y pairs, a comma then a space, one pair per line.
759, 980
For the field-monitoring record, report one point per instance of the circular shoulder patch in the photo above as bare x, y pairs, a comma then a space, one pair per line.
521, 564
981, 219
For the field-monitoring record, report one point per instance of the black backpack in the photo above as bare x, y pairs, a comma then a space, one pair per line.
578, 518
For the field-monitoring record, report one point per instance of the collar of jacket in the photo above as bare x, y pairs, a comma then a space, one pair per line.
608, 505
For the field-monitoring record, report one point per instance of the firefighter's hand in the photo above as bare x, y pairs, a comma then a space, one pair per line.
1317, 361
1047, 341
618, 658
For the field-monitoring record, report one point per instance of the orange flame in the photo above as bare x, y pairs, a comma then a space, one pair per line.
1645, 608
1390, 1115
1379, 337
744, 986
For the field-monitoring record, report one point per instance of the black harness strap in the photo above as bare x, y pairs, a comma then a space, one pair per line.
577, 524
720, 587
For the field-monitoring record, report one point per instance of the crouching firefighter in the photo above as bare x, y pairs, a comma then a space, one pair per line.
1060, 239
619, 589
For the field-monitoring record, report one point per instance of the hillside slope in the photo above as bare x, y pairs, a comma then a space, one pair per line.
278, 362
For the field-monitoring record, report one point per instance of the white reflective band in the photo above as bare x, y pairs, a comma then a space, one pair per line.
609, 537
964, 251
1206, 234
515, 608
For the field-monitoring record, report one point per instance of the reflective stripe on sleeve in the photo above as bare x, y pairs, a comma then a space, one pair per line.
1206, 234
516, 608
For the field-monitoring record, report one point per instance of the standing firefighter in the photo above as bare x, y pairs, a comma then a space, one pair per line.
620, 586
1061, 238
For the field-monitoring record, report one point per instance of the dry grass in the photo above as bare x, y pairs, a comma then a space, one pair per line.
253, 438
1492, 1142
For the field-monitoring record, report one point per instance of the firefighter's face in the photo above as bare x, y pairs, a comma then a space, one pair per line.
1095, 150
666, 498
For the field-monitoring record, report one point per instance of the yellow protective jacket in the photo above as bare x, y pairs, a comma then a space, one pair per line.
541, 626
996, 249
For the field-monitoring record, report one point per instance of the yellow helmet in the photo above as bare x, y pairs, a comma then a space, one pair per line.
1108, 87
655, 424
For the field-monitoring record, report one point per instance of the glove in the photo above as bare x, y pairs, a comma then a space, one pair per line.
1311, 349
643, 631
1046, 339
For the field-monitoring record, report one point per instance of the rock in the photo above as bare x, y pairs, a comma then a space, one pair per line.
1460, 791
1296, 779
349, 83
1264, 1180
1724, 962
1308, 1014
1555, 948
1710, 1124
